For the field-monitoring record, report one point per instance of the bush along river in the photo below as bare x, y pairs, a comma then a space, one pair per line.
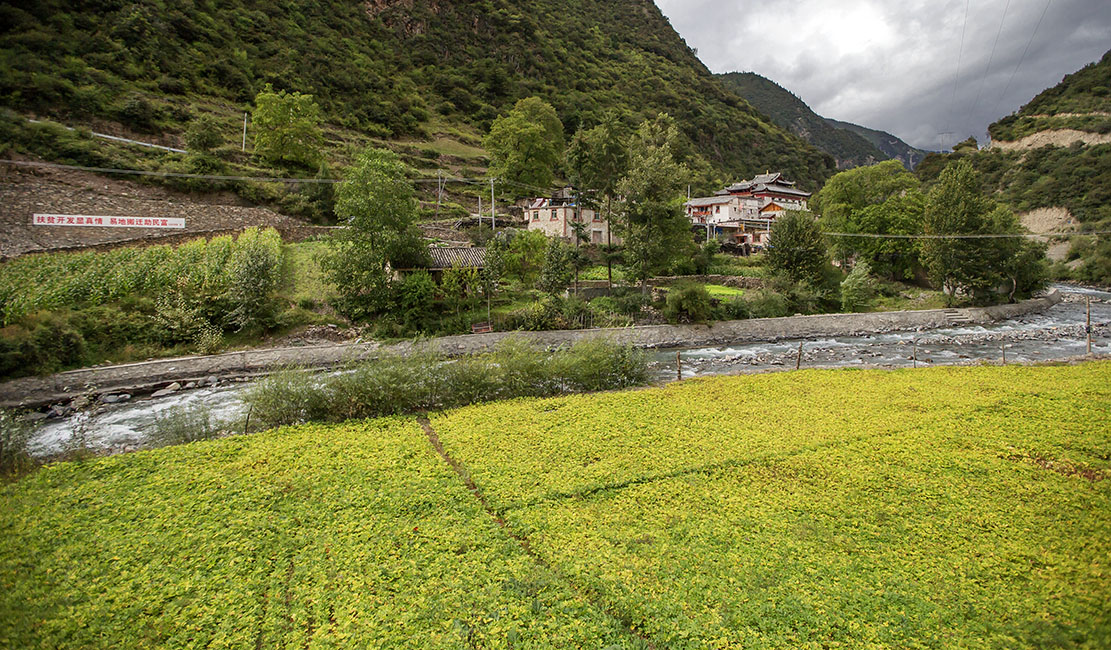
1055, 334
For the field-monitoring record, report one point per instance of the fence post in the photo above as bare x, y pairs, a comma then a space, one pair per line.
798, 361
914, 355
679, 366
1003, 346
1088, 326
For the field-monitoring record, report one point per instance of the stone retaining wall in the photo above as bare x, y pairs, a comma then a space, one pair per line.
150, 375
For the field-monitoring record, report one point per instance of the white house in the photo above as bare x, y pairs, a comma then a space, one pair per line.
556, 216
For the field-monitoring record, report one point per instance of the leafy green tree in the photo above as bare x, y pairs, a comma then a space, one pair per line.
596, 161
656, 231
891, 257
704, 257
556, 273
378, 210
796, 248
287, 131
525, 146
416, 297
688, 302
843, 198
525, 255
975, 267
254, 273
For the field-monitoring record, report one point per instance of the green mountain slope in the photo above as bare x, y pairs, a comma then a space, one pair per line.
388, 69
1068, 164
791, 113
1082, 101
890, 145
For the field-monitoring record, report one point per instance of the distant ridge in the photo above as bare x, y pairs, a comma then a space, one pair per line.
890, 145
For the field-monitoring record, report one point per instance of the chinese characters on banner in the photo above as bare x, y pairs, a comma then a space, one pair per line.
107, 222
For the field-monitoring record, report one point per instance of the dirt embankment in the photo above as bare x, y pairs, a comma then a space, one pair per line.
1051, 220
25, 191
1057, 138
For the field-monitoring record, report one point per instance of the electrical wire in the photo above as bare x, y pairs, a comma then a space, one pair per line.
1002, 95
991, 57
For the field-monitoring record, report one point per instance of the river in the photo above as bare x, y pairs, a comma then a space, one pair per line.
1057, 333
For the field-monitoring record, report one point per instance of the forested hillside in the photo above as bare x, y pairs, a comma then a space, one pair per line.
791, 113
388, 69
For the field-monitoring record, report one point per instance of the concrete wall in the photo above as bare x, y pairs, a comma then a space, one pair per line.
151, 375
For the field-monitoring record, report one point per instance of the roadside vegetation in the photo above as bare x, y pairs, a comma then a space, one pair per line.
839, 508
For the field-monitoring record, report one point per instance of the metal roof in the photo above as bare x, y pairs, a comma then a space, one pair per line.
709, 200
445, 258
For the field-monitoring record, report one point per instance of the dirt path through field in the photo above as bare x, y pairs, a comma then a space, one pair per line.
591, 596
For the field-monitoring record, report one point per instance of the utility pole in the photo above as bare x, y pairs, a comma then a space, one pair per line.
439, 192
493, 210
244, 131
480, 209
1088, 327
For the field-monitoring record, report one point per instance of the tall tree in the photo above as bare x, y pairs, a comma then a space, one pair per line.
975, 267
796, 248
287, 131
656, 231
525, 147
596, 161
844, 197
377, 206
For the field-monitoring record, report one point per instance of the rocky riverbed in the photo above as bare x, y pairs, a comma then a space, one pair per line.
120, 422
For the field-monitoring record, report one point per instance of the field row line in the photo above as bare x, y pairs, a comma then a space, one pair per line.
523, 541
705, 468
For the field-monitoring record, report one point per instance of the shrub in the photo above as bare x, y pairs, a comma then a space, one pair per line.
178, 425
254, 272
14, 435
428, 380
688, 303
203, 134
858, 288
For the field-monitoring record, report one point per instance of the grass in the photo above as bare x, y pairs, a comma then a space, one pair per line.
908, 297
302, 278
948, 507
722, 291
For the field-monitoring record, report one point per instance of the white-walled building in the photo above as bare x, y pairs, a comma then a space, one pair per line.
744, 212
556, 216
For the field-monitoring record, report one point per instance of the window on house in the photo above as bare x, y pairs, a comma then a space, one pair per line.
717, 208
597, 217
555, 215
536, 215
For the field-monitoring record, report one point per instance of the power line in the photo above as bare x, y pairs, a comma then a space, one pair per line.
991, 56
960, 54
984, 236
216, 177
1022, 58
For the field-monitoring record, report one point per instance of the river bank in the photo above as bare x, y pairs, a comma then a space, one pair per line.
152, 376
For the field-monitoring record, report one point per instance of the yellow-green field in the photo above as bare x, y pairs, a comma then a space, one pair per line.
936, 508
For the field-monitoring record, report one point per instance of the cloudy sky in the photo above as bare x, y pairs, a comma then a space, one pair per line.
921, 69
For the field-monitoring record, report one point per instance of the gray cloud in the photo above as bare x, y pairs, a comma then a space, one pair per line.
901, 66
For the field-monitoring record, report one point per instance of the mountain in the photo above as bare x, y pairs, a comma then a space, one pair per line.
385, 71
1051, 163
890, 145
791, 113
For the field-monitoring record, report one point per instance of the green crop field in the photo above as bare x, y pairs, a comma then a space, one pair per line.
937, 508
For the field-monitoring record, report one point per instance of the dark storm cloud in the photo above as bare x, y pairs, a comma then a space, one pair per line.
901, 66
